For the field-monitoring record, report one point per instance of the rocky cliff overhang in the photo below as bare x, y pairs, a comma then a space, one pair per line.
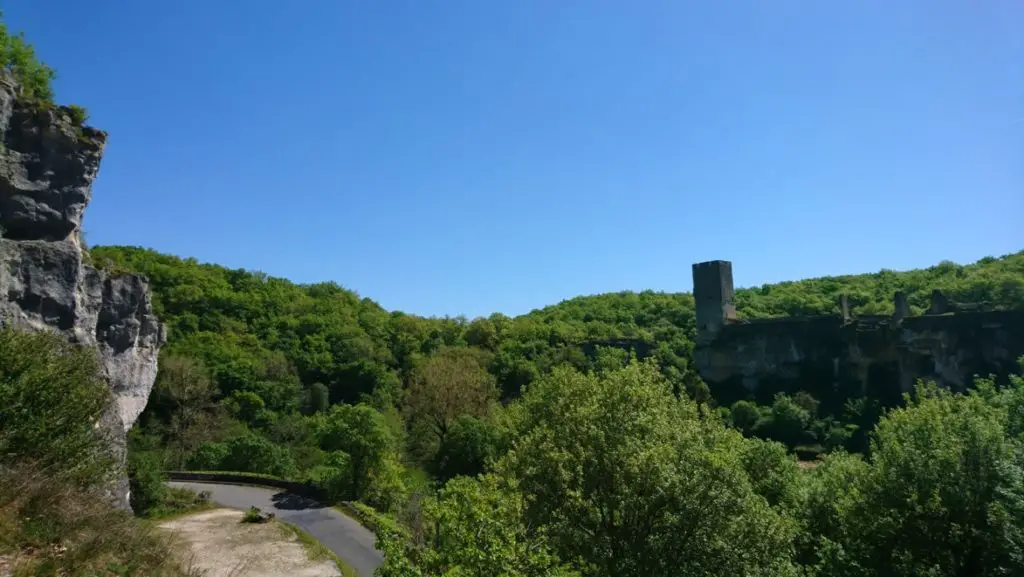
47, 166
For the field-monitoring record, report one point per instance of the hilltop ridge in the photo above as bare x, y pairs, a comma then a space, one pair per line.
330, 334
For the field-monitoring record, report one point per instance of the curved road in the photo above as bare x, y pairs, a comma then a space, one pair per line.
339, 533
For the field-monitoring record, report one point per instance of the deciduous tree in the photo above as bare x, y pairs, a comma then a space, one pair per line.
448, 385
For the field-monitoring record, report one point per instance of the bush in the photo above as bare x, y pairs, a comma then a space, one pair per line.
745, 415
78, 114
19, 58
254, 454
178, 501
147, 484
208, 457
386, 488
51, 397
787, 422
256, 515
48, 527
333, 477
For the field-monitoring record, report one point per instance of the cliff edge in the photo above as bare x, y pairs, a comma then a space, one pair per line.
47, 166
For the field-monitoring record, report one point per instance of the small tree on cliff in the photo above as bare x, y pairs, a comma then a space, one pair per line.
19, 58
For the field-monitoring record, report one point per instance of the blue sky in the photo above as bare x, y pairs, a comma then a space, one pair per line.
468, 156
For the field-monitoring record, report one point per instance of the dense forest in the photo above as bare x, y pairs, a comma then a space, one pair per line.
258, 362
577, 439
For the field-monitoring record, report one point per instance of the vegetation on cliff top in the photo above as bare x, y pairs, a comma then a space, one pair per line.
19, 58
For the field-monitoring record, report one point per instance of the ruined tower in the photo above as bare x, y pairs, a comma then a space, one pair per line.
713, 293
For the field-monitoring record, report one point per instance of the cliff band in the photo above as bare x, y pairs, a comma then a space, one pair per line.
47, 167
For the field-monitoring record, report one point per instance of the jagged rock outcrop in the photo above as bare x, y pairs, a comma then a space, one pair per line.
47, 166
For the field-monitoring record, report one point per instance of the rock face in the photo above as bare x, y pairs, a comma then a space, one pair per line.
47, 166
835, 357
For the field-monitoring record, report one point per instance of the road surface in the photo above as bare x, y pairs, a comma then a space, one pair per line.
339, 533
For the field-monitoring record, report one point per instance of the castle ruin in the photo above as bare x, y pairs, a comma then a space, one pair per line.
839, 356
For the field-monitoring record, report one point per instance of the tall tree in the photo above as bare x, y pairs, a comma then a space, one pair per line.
446, 386
185, 387
362, 433
626, 478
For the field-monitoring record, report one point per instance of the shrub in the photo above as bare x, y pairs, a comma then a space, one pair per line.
147, 484
78, 115
256, 515
254, 454
333, 477
787, 422
48, 527
178, 501
19, 58
51, 398
745, 415
208, 457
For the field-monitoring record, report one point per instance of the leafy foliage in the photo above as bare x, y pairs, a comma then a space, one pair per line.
55, 513
944, 493
606, 454
19, 58
630, 480
481, 531
51, 397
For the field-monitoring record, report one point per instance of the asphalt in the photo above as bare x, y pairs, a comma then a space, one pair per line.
338, 532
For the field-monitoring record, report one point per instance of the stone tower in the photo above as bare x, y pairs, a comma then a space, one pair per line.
713, 293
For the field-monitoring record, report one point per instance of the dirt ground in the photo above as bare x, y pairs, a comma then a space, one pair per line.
221, 546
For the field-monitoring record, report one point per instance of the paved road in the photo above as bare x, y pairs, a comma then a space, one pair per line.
339, 533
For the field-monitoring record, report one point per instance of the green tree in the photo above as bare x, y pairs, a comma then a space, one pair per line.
208, 457
446, 386
319, 398
146, 483
183, 386
469, 447
480, 530
363, 434
944, 494
629, 480
787, 422
773, 473
831, 494
745, 416
255, 454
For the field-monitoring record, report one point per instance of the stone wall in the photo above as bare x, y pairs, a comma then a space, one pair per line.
836, 357
47, 166
713, 296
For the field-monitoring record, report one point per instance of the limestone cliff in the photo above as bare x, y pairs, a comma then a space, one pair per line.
835, 357
47, 166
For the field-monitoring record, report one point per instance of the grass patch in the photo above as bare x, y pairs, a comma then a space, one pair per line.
240, 474
371, 518
180, 502
52, 528
316, 551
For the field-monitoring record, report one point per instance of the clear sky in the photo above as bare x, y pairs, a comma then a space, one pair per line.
473, 156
